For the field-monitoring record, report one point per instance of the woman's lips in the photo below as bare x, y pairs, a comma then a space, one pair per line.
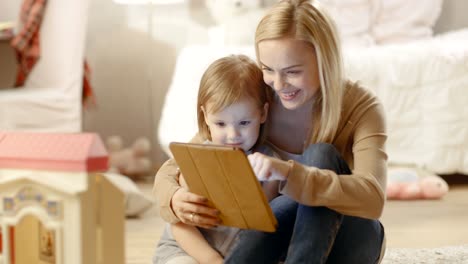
288, 96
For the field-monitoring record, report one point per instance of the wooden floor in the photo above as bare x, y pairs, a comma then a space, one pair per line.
408, 224
427, 223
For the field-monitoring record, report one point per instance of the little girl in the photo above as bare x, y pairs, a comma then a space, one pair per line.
232, 107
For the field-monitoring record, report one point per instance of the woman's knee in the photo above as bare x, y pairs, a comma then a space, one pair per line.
322, 150
284, 209
325, 156
320, 219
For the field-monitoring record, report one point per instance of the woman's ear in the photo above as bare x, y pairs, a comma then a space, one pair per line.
265, 113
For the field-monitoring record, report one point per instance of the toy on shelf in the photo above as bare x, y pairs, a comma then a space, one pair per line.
56, 206
414, 184
132, 161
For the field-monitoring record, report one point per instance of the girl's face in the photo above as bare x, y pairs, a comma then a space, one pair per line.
237, 125
290, 68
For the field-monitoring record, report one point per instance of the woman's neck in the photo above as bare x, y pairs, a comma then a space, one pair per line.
289, 129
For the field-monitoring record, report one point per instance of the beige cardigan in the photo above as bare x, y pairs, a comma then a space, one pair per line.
360, 139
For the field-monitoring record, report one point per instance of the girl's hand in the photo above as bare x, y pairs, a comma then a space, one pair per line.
212, 259
193, 209
268, 168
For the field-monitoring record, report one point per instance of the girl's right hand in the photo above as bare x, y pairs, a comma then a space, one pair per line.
193, 209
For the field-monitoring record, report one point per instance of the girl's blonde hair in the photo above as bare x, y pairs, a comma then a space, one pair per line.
305, 21
226, 81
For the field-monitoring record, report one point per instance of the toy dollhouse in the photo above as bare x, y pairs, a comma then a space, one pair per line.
55, 206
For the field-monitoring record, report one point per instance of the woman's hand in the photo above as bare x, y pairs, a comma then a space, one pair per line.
193, 209
268, 168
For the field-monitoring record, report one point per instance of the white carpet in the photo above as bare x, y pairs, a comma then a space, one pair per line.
442, 255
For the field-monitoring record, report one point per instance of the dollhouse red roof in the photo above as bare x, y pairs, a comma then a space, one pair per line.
83, 152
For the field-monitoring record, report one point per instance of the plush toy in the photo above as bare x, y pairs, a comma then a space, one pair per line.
132, 161
236, 21
413, 184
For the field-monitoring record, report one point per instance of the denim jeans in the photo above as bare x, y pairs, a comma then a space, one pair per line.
312, 234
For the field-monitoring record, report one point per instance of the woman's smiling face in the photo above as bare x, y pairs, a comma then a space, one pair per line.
290, 68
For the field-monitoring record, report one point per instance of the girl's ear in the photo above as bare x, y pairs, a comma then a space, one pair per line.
264, 114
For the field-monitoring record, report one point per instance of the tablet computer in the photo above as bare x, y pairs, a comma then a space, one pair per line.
223, 175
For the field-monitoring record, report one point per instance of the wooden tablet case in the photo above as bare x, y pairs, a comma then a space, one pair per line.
224, 175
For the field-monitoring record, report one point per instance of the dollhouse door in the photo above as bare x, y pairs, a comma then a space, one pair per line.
33, 243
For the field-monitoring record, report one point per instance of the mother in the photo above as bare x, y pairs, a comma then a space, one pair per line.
332, 134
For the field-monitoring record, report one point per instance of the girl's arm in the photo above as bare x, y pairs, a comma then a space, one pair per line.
192, 241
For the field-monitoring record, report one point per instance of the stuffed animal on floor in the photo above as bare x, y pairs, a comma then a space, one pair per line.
414, 184
132, 161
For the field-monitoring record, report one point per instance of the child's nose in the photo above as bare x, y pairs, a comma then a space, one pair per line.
233, 132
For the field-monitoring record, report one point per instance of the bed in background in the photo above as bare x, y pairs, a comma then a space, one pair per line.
423, 86
422, 81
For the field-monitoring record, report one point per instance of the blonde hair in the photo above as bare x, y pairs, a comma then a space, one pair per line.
226, 81
305, 21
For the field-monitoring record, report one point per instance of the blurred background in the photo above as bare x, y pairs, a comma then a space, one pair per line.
132, 48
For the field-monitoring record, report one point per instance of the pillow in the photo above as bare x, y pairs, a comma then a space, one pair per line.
399, 21
353, 20
368, 22
135, 201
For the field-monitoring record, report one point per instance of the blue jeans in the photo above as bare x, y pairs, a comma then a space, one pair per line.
312, 234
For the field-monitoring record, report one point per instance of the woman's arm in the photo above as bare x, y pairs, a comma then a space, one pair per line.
165, 185
271, 189
176, 203
360, 194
